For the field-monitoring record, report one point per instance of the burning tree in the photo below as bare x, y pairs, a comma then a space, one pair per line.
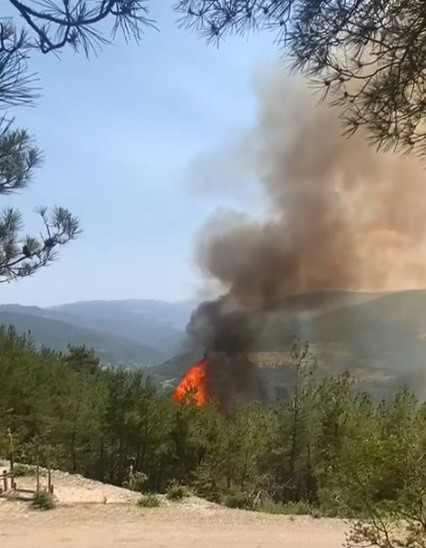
193, 386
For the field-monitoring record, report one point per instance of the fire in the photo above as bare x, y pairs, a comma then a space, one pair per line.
193, 384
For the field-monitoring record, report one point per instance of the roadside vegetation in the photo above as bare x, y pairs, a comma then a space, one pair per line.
327, 450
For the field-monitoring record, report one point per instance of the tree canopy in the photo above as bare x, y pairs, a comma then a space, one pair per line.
51, 25
367, 55
45, 26
48, 26
325, 449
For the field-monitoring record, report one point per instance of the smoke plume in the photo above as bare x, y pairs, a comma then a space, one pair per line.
341, 217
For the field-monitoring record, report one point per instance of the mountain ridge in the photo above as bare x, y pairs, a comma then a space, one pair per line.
57, 335
379, 337
145, 332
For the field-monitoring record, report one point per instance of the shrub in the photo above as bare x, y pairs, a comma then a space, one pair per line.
43, 500
299, 508
331, 505
21, 470
177, 492
270, 507
136, 482
149, 501
238, 500
316, 513
207, 489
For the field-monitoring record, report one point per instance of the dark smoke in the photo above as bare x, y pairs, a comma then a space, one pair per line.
341, 217
217, 327
227, 333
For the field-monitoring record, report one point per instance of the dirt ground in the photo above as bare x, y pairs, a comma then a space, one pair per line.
91, 514
119, 525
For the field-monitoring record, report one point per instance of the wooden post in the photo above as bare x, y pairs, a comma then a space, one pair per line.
11, 449
49, 479
12, 456
5, 480
51, 489
38, 477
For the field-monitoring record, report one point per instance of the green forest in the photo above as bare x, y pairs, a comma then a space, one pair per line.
327, 450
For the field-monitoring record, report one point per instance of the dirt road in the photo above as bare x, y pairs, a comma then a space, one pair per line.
183, 526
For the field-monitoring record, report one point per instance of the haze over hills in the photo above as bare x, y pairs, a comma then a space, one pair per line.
380, 337
159, 324
56, 334
131, 332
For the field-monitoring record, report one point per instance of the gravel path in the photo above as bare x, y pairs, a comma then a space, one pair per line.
110, 525
91, 514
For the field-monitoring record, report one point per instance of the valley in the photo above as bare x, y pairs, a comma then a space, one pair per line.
379, 338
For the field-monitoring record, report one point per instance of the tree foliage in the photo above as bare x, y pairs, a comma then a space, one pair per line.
367, 55
326, 449
21, 255
51, 25
17, 84
45, 26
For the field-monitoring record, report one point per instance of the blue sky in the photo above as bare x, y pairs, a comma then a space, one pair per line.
119, 132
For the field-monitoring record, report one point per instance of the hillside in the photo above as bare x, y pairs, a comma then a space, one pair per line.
381, 338
57, 334
155, 323
131, 331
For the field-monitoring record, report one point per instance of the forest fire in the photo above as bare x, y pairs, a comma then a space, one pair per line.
225, 378
193, 384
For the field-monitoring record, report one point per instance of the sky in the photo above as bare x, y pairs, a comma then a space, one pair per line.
119, 133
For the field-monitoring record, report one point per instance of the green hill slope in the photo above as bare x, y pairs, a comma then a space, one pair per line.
58, 334
381, 338
126, 330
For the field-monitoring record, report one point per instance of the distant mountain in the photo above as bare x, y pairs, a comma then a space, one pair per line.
381, 338
132, 331
156, 323
57, 334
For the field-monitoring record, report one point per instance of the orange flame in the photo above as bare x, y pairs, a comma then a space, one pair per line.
193, 384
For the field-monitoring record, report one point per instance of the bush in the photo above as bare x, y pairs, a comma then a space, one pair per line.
149, 501
177, 492
317, 514
299, 508
329, 500
207, 489
136, 482
271, 507
238, 500
43, 500
21, 470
